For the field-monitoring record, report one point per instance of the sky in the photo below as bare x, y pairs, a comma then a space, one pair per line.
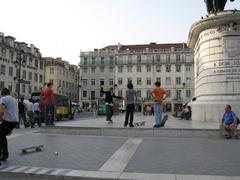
63, 28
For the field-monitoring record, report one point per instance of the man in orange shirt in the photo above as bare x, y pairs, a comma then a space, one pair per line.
158, 94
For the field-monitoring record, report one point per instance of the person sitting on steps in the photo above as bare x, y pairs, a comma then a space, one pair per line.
229, 123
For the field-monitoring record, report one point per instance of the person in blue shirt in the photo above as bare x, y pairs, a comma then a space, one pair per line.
229, 123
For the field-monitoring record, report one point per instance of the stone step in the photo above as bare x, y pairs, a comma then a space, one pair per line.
134, 132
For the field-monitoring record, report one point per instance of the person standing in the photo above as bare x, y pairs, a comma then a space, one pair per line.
130, 99
49, 104
109, 95
158, 95
36, 116
9, 118
22, 113
29, 107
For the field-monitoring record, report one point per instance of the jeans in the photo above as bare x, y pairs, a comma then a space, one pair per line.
158, 112
22, 116
5, 128
130, 111
109, 112
49, 114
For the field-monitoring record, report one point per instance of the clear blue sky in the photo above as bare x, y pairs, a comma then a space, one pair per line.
61, 28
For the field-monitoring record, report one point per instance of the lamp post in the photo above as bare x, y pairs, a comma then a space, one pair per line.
18, 64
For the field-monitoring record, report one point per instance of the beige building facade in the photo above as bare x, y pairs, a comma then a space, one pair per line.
143, 65
15, 56
64, 76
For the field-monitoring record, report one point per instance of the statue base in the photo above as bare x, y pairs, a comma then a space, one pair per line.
216, 44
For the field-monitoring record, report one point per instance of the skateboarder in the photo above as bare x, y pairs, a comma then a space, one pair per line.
158, 94
109, 95
9, 118
130, 99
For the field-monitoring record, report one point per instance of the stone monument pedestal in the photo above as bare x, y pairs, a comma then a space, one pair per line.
216, 44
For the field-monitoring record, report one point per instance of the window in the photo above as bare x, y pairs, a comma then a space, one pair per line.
93, 60
51, 81
158, 58
102, 69
111, 69
40, 78
85, 61
66, 84
102, 60
36, 63
35, 77
129, 68
93, 82
111, 82
93, 70
29, 89
139, 81
188, 68
168, 58
85, 94
178, 58
3, 52
120, 69
51, 70
139, 69
35, 88
59, 83
3, 67
129, 80
24, 74
41, 65
158, 79
30, 76
101, 82
129, 59
168, 93
168, 68
85, 70
63, 84
188, 93
84, 82
139, 59
120, 81
23, 88
111, 60
178, 68
139, 94
158, 68
178, 80
168, 80
92, 95
10, 72
188, 80
148, 68
10, 87
149, 94
2, 84
178, 94
119, 92
149, 82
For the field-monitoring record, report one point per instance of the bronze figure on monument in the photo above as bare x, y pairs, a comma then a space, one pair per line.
214, 6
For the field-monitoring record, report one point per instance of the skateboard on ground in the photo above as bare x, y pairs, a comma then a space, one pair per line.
165, 118
142, 123
32, 149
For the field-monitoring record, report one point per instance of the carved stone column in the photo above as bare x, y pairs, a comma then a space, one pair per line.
216, 44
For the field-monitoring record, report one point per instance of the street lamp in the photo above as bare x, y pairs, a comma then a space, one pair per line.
18, 64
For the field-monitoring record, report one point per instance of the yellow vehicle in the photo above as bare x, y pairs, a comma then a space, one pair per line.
63, 106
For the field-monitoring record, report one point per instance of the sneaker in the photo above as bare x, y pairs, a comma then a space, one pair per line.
156, 125
131, 125
3, 158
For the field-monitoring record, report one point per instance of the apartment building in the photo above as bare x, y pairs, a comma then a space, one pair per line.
64, 76
143, 65
21, 66
97, 68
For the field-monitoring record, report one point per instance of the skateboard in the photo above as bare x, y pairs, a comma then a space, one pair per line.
31, 149
165, 118
140, 123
